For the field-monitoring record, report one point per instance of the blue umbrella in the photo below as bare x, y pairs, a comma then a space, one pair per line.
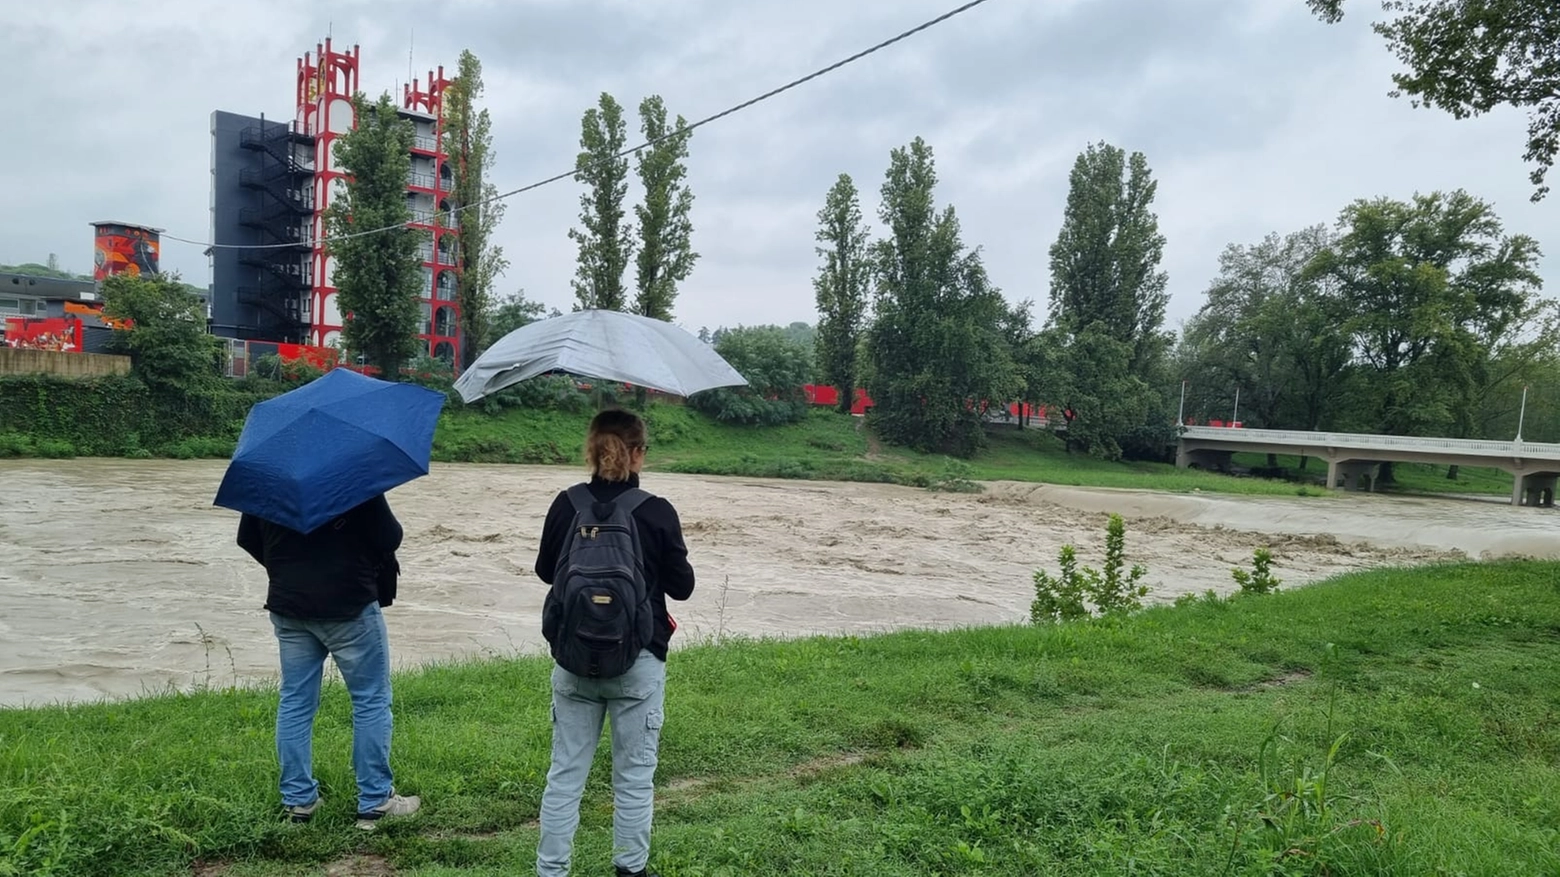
313, 453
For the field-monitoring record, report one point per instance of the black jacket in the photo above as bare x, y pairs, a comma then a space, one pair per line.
331, 573
667, 572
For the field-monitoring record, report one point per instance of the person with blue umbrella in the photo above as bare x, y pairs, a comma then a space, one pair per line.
310, 475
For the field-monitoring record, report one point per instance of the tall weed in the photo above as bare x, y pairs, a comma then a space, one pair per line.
1115, 590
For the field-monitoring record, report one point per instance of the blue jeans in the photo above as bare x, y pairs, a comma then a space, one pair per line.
634, 701
361, 648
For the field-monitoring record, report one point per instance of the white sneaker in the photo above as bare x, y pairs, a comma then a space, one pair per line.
397, 805
302, 812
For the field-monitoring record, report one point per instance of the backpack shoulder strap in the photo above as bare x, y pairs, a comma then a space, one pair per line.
632, 499
581, 497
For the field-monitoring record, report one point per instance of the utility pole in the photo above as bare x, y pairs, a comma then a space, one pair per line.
1180, 417
1522, 415
1235, 418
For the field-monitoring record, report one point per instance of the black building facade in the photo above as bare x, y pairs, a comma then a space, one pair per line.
262, 195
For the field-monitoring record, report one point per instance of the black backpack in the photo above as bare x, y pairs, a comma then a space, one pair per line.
597, 617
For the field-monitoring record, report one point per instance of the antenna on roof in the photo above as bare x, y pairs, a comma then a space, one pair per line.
411, 42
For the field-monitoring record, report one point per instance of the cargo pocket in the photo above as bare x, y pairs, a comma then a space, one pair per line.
653, 720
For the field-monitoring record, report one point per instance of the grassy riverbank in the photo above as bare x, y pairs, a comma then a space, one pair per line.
1398, 722
117, 417
826, 446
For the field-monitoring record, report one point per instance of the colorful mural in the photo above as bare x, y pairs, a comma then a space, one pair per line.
124, 249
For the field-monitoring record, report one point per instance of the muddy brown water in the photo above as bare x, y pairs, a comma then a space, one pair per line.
119, 577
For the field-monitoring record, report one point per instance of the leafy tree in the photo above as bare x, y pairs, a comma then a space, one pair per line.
775, 366
606, 241
469, 143
1272, 330
802, 333
52, 271
841, 287
167, 341
1468, 57
1090, 374
1432, 291
935, 350
1105, 353
1105, 262
378, 276
666, 255
512, 312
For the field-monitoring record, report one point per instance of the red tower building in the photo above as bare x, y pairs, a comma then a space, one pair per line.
430, 196
326, 83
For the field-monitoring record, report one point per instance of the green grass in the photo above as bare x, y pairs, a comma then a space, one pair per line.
1390, 723
1409, 477
826, 446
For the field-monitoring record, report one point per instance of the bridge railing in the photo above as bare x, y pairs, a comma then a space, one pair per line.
1358, 441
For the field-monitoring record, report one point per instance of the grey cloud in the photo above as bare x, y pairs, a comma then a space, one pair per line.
1255, 118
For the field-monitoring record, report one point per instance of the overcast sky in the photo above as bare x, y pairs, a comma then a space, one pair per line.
1254, 116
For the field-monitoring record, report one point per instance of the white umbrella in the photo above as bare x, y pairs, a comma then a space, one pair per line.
608, 345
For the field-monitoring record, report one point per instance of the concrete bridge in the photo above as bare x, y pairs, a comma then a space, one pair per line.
1355, 459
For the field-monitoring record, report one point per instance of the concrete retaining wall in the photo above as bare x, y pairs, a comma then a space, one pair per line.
15, 361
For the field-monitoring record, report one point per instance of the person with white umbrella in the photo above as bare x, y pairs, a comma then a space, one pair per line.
612, 555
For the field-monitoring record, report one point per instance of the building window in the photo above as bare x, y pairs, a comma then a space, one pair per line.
444, 322
445, 351
446, 288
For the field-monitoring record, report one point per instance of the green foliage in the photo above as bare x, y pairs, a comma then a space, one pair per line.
546, 393
666, 255
119, 416
51, 271
378, 276
1103, 355
841, 287
936, 349
170, 349
1113, 591
775, 367
1272, 329
1431, 292
956, 476
606, 242
1470, 57
509, 313
1060, 597
1259, 579
295, 372
468, 140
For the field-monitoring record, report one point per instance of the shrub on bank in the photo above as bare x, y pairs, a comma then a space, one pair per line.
118, 416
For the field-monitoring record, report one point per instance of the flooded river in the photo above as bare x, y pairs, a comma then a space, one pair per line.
119, 577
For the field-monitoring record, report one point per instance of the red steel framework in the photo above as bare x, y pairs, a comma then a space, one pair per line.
327, 81
441, 253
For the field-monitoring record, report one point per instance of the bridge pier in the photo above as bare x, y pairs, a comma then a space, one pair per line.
1356, 474
1211, 460
1536, 490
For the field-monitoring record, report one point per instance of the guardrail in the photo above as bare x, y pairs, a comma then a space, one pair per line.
1359, 441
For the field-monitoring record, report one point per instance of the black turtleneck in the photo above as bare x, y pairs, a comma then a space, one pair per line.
667, 572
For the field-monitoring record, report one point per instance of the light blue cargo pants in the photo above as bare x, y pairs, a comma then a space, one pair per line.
635, 703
